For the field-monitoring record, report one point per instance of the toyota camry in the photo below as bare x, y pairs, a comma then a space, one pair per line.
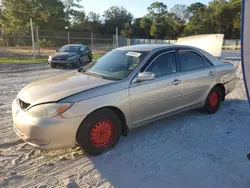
126, 88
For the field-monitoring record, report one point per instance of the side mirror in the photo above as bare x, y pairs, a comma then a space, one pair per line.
57, 50
145, 76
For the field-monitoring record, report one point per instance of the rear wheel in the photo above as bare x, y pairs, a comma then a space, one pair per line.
99, 132
78, 63
213, 100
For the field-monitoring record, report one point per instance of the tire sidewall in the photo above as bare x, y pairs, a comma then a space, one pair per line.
84, 131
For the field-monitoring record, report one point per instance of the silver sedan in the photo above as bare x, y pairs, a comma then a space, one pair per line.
126, 88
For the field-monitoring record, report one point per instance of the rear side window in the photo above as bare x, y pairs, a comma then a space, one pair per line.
207, 63
190, 60
82, 49
87, 48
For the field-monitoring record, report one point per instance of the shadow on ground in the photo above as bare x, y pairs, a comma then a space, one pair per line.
186, 150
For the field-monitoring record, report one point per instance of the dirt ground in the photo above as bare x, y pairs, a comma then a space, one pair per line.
187, 150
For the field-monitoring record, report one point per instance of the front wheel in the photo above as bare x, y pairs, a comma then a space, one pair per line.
213, 100
99, 132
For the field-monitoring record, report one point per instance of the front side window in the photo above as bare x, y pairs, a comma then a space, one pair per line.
164, 64
116, 65
190, 60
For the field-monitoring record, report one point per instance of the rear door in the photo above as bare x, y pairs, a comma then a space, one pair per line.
198, 75
150, 99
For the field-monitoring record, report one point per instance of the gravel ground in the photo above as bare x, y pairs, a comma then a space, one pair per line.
187, 150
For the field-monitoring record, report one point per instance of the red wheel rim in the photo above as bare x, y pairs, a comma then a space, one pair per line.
213, 99
101, 133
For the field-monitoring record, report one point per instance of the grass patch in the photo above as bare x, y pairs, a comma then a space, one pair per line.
97, 56
8, 60
12, 60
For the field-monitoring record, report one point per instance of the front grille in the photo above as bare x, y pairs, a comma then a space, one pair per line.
23, 105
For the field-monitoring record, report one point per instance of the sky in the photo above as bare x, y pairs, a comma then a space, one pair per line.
137, 7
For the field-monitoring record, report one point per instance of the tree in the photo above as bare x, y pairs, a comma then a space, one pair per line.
157, 8
180, 11
157, 11
137, 30
94, 17
78, 19
145, 23
194, 9
127, 31
235, 5
116, 17
70, 6
219, 16
45, 14
94, 23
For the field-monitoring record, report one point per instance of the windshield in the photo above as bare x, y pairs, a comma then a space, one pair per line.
115, 65
73, 49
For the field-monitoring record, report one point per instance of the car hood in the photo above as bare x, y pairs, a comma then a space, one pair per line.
58, 87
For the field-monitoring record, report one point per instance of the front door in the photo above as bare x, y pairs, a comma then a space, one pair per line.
149, 99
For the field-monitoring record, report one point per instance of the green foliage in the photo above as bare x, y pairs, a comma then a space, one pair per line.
69, 7
180, 11
219, 16
44, 43
45, 14
11, 60
116, 17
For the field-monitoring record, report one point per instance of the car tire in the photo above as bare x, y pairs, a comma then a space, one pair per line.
99, 132
52, 66
213, 101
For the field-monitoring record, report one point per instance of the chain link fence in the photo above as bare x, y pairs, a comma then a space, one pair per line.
47, 41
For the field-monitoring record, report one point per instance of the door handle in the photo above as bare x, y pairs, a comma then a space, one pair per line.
211, 73
176, 82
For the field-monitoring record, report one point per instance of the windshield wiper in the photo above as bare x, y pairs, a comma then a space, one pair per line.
110, 78
97, 75
92, 74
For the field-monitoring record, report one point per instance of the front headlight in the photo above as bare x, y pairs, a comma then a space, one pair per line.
72, 57
50, 57
48, 110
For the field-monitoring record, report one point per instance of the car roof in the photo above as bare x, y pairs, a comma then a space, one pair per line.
144, 47
152, 47
74, 45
